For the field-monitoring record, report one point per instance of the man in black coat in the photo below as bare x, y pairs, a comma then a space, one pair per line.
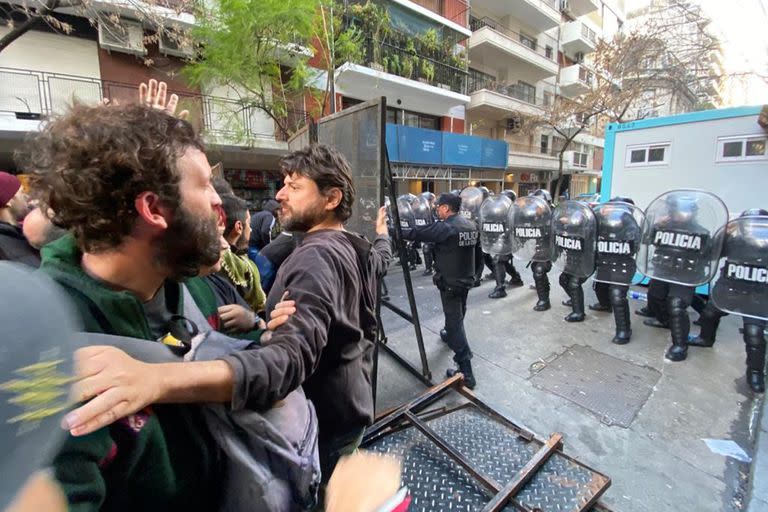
13, 208
262, 224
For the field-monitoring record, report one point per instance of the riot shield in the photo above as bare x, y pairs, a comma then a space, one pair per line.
619, 230
681, 243
494, 226
741, 286
530, 223
422, 211
471, 200
405, 211
574, 233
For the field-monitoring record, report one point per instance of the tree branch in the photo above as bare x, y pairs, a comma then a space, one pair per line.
31, 22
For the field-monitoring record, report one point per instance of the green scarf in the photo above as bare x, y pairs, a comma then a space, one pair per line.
245, 276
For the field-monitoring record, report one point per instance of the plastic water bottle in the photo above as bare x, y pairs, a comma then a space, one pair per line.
638, 296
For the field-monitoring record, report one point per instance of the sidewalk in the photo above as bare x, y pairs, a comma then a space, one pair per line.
623, 410
758, 501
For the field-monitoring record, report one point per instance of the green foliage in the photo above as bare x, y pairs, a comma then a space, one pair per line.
427, 70
429, 41
407, 66
258, 48
349, 46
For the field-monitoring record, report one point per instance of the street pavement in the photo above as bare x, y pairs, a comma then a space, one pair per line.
658, 460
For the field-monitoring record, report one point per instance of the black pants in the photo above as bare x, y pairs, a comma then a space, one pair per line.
454, 301
657, 300
429, 255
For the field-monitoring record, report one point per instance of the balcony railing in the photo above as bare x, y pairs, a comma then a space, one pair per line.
543, 44
585, 75
479, 81
36, 95
398, 61
532, 149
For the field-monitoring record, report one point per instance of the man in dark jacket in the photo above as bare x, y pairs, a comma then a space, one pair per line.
13, 209
263, 223
455, 239
326, 346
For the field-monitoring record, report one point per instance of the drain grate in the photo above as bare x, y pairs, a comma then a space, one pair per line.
610, 387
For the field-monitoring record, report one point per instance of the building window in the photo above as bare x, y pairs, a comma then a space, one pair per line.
743, 148
527, 92
648, 155
549, 52
547, 98
528, 41
544, 144
413, 119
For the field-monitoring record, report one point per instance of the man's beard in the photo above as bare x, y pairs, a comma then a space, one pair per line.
189, 243
302, 221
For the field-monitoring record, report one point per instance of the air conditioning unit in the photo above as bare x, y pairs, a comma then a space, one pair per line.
579, 57
565, 6
171, 44
514, 124
125, 37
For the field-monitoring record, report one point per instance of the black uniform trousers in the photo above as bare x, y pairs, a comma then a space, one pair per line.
454, 299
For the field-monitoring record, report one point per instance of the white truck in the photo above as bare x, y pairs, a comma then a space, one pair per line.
721, 151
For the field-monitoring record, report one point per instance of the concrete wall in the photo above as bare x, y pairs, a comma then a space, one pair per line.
52, 53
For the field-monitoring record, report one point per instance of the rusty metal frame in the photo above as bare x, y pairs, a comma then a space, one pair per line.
413, 415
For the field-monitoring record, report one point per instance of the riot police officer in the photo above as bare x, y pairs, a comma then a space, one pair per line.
494, 238
575, 231
679, 250
455, 239
619, 225
742, 289
531, 222
427, 247
471, 200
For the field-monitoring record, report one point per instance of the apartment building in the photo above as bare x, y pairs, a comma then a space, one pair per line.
44, 70
692, 45
523, 54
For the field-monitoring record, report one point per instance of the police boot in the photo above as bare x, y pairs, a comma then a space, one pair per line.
542, 290
600, 307
755, 345
516, 279
680, 326
443, 335
620, 315
498, 293
465, 368
567, 303
708, 332
644, 311
653, 322
577, 303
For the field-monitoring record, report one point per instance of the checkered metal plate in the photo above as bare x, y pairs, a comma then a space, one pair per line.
438, 484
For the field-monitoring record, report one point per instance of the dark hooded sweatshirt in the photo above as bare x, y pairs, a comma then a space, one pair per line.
327, 345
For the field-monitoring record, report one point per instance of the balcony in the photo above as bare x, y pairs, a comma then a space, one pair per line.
500, 47
538, 14
454, 14
29, 97
577, 8
578, 37
409, 80
531, 157
575, 80
490, 99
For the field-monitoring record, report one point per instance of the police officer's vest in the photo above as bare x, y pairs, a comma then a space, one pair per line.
455, 257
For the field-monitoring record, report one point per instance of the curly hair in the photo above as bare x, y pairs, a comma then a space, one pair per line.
90, 164
328, 168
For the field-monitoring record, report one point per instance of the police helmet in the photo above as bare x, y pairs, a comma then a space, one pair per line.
485, 192
429, 196
510, 194
543, 193
754, 212
621, 199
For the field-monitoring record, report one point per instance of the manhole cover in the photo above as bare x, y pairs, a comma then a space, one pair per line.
612, 388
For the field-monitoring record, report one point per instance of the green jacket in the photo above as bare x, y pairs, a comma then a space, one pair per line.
161, 458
